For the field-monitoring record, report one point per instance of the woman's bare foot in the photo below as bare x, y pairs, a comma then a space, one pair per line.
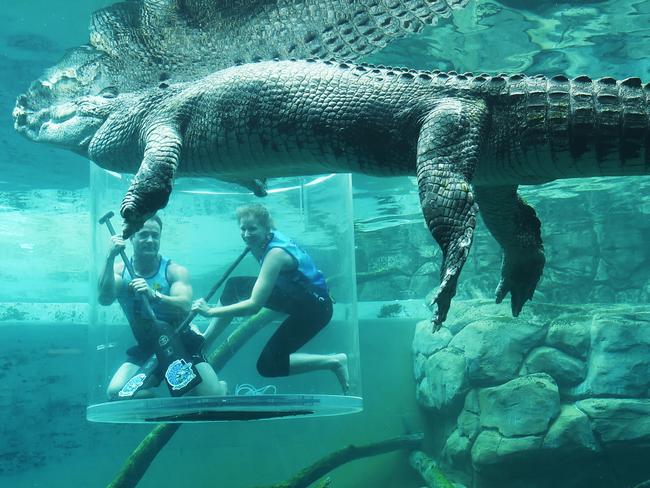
340, 369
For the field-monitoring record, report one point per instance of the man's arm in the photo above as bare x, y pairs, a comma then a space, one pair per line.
110, 277
180, 292
275, 261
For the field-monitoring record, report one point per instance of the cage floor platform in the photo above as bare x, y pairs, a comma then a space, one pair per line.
222, 408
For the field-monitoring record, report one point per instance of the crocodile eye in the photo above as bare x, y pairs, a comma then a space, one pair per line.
86, 106
108, 92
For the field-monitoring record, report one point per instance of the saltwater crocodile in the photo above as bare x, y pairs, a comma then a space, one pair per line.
470, 140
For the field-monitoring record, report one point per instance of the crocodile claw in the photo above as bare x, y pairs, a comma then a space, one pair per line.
436, 322
441, 302
519, 296
133, 221
519, 277
440, 313
148, 193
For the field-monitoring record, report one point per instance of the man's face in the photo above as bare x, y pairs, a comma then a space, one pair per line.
146, 242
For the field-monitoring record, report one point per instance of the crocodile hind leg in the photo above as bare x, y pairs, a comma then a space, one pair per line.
515, 226
447, 154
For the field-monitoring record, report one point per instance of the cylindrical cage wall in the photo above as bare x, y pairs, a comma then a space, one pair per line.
201, 233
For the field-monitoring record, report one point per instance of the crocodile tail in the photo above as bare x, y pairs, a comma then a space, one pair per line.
602, 124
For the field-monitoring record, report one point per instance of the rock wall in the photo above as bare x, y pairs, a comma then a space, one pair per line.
557, 397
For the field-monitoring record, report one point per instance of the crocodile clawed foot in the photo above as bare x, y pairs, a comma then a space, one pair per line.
134, 215
133, 220
441, 302
438, 318
519, 277
142, 200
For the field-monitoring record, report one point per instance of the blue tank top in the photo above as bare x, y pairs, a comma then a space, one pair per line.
305, 275
133, 308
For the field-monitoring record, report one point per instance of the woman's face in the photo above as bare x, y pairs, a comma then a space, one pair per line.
252, 232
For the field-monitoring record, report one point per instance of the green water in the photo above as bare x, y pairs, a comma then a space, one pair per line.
48, 443
595, 231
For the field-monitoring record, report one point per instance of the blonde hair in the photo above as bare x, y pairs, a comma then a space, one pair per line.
258, 212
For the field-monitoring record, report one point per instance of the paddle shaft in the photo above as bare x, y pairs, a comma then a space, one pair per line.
214, 289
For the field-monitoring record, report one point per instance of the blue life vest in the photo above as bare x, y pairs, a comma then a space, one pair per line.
306, 275
158, 281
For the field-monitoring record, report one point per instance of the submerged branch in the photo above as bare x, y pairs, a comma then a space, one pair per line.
141, 458
429, 470
363, 276
349, 453
240, 336
644, 484
324, 483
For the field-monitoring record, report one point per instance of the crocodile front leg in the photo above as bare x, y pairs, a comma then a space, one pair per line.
447, 154
515, 226
152, 184
256, 185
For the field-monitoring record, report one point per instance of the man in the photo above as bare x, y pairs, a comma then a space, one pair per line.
167, 287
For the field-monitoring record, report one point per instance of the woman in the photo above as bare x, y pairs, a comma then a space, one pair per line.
288, 282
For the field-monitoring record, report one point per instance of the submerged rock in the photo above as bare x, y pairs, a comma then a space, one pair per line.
560, 385
523, 406
564, 369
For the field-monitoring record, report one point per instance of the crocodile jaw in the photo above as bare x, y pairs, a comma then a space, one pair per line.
69, 125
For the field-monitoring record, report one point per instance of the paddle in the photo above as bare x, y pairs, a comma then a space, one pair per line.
214, 289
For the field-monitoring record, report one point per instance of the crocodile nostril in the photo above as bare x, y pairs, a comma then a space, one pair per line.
40, 89
20, 119
21, 101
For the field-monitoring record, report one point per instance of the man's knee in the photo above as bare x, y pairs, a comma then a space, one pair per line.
125, 372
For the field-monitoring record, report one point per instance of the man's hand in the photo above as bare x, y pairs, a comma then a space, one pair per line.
117, 246
139, 286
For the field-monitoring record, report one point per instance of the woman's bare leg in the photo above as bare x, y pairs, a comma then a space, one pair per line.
337, 363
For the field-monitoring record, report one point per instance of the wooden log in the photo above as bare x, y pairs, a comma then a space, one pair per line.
240, 336
349, 453
324, 483
141, 458
429, 470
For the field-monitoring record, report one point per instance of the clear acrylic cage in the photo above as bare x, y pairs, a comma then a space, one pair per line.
200, 232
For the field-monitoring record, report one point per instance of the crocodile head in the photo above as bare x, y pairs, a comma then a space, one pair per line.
51, 100
69, 124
